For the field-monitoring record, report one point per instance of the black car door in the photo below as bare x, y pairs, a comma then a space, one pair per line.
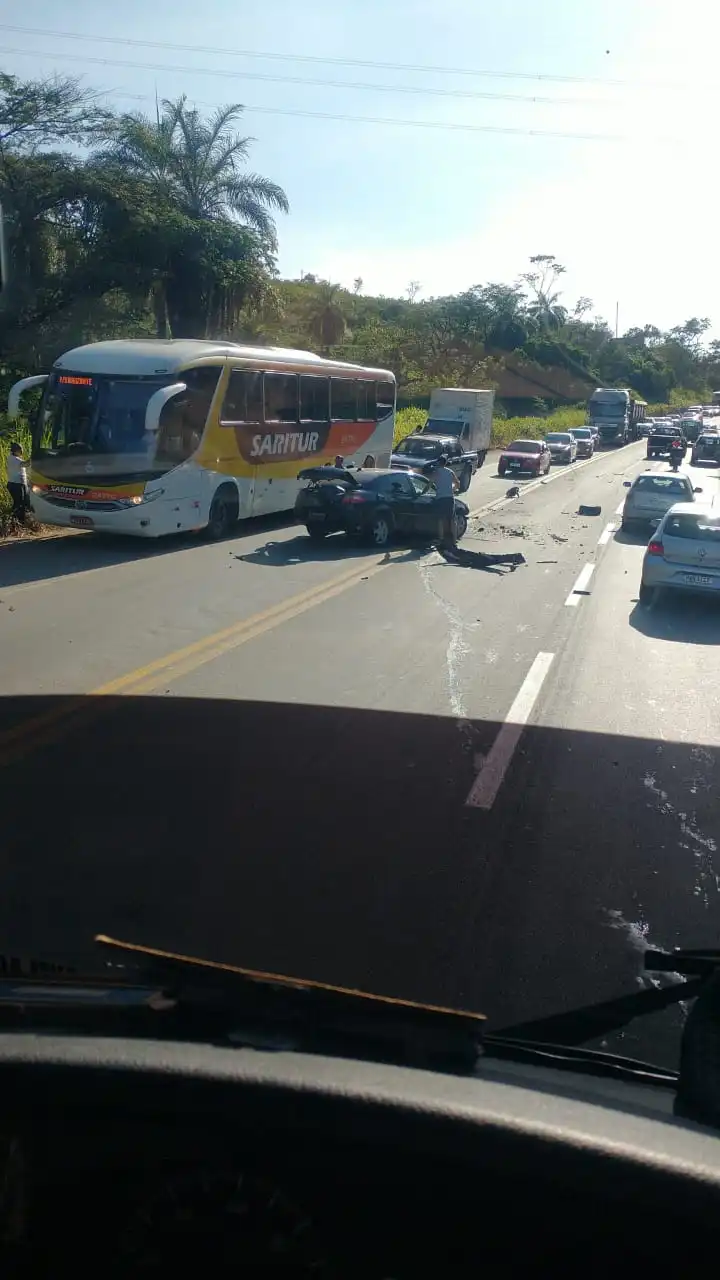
397, 493
425, 506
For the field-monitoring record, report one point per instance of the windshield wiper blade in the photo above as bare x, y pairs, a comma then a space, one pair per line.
571, 1057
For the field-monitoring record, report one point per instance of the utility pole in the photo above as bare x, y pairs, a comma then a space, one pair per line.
617, 317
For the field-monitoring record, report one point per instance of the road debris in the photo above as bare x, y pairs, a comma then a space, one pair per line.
585, 510
492, 563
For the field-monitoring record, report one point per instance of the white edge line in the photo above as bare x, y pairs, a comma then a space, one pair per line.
619, 510
606, 535
583, 579
489, 779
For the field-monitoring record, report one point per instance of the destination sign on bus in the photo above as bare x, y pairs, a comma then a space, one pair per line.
74, 380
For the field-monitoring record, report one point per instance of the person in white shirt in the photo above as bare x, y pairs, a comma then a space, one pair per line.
17, 482
446, 485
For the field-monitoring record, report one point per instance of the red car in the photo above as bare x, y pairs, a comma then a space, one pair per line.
532, 456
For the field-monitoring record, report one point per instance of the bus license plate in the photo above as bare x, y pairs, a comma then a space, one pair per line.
82, 522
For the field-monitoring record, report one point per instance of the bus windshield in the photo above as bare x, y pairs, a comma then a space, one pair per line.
99, 421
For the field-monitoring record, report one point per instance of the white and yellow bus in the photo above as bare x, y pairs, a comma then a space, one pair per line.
153, 437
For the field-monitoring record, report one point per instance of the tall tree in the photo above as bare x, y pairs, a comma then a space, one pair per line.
326, 316
545, 306
221, 233
197, 164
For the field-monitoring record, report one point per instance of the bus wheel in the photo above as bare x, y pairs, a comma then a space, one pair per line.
223, 514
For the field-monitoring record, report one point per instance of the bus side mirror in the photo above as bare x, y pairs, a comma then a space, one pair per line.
18, 390
157, 402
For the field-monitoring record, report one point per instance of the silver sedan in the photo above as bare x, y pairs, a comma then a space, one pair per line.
684, 552
651, 495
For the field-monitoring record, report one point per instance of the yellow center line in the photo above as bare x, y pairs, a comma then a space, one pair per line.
50, 725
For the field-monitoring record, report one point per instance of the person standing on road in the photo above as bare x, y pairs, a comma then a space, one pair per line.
446, 486
17, 482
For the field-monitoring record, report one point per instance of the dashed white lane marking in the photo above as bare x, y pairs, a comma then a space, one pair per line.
580, 587
606, 534
494, 767
619, 509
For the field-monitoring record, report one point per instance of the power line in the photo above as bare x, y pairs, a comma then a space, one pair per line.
438, 124
327, 61
339, 84
326, 115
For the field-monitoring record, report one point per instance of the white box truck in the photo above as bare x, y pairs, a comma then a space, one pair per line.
464, 413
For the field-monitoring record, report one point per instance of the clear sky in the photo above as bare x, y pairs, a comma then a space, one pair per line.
628, 202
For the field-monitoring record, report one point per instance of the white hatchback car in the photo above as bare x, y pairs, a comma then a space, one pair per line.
684, 552
651, 495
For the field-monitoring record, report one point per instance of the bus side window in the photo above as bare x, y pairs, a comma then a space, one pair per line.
385, 399
281, 397
343, 399
243, 399
314, 398
366, 401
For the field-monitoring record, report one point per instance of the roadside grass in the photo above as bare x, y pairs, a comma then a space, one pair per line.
503, 429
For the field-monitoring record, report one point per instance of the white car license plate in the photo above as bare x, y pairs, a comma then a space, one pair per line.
82, 522
698, 579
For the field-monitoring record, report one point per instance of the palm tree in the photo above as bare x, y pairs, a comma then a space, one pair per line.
327, 322
547, 310
220, 230
197, 164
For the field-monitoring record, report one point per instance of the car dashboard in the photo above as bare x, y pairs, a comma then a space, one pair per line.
132, 1156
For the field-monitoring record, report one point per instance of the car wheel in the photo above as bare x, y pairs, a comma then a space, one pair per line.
381, 529
223, 514
460, 525
315, 534
501, 471
465, 479
648, 596
627, 526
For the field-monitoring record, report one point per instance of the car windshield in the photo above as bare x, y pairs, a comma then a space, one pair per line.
417, 448
267, 695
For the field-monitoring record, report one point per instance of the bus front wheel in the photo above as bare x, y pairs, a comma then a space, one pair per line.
224, 511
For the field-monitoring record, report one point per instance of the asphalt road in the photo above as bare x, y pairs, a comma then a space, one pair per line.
492, 790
